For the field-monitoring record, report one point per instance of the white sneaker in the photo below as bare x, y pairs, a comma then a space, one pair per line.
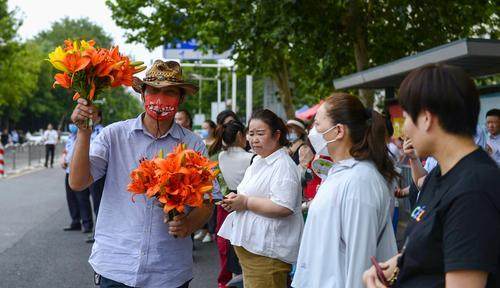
199, 235
207, 238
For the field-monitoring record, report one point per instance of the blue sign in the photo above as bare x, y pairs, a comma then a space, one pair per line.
191, 45
188, 50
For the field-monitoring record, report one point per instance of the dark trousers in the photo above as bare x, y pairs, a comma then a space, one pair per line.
79, 206
108, 283
96, 192
212, 222
49, 150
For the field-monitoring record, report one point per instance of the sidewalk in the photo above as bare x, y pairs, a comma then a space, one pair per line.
22, 158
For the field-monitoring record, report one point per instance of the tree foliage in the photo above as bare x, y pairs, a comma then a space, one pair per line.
309, 42
19, 67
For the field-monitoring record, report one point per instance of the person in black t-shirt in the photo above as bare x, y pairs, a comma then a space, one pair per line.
453, 238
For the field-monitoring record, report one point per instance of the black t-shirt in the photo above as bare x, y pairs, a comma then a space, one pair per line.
455, 224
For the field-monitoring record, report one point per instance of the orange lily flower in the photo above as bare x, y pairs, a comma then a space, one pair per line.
182, 178
62, 79
75, 62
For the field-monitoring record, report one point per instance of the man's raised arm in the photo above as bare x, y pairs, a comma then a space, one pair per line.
79, 176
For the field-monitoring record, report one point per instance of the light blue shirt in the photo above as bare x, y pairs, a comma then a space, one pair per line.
70, 144
430, 164
348, 221
494, 145
95, 131
132, 245
480, 137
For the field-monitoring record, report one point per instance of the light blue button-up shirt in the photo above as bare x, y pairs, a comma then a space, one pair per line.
132, 245
70, 144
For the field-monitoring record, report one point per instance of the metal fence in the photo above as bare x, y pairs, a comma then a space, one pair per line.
18, 157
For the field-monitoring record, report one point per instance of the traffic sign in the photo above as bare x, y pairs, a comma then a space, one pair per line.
189, 50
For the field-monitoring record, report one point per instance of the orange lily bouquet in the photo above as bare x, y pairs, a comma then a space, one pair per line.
183, 177
88, 70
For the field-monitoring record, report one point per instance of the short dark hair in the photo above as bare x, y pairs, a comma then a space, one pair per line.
274, 122
225, 114
447, 92
188, 115
493, 112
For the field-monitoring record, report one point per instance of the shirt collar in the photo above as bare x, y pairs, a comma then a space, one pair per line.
235, 149
175, 131
342, 165
274, 156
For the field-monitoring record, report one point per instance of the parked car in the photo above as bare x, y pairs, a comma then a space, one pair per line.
64, 136
35, 138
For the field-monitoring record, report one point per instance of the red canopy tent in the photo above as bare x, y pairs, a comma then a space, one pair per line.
309, 114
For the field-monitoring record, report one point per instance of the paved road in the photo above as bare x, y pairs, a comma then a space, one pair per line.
35, 252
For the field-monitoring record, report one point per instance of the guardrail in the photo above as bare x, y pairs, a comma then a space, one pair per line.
18, 157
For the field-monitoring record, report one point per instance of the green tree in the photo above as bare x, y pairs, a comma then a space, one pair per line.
9, 24
259, 32
118, 104
307, 42
18, 79
19, 67
370, 33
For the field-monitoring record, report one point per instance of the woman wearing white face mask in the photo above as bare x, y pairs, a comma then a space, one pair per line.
349, 219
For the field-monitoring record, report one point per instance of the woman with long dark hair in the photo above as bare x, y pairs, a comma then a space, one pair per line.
349, 219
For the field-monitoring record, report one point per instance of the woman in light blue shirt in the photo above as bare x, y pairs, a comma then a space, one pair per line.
349, 219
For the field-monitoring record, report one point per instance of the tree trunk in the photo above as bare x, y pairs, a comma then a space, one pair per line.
61, 121
357, 26
361, 55
282, 79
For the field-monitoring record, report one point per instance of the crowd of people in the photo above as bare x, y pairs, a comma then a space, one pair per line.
296, 204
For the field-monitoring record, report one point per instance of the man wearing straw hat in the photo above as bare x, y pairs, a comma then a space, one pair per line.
133, 246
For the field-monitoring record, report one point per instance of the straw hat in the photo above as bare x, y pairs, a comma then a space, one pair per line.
164, 74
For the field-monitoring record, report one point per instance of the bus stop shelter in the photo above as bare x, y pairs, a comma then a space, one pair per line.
479, 57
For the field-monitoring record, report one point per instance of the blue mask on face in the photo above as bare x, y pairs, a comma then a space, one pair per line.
204, 134
292, 137
72, 128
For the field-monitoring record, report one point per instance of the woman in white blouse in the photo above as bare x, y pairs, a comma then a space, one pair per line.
266, 223
349, 219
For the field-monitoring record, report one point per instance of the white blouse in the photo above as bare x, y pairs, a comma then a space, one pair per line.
233, 163
277, 178
348, 221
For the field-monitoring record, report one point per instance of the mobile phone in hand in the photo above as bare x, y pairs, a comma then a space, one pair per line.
380, 272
